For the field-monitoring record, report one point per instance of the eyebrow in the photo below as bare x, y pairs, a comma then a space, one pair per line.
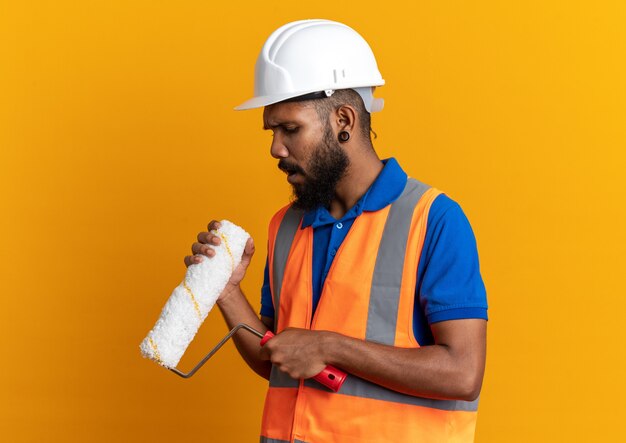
277, 125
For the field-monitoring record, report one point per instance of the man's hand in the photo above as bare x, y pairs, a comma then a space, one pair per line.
204, 247
297, 352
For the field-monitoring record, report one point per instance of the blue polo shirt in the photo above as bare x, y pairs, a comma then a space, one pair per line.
449, 284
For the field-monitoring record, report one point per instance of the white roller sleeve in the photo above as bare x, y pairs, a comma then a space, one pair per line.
192, 300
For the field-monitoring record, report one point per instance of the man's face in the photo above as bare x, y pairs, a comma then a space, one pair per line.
307, 151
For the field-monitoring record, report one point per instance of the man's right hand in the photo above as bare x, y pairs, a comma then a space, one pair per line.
204, 248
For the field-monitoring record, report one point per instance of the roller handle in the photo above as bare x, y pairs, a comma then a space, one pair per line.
330, 377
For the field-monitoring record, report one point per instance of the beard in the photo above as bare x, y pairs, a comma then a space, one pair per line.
328, 165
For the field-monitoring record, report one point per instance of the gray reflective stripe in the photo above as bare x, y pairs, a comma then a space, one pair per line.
279, 379
284, 238
385, 292
363, 388
275, 440
358, 387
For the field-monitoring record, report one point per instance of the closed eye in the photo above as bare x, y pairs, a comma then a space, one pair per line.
290, 130
288, 127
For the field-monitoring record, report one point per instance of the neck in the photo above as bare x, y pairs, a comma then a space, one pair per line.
362, 172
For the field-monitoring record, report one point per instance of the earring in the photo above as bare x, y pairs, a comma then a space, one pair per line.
344, 136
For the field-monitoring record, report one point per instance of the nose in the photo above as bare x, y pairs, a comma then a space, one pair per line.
278, 149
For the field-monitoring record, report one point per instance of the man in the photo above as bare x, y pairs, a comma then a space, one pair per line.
367, 271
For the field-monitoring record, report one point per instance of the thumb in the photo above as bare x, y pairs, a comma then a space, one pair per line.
248, 251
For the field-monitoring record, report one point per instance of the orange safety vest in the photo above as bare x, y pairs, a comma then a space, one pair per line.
368, 294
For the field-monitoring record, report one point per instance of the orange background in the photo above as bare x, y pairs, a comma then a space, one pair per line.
118, 144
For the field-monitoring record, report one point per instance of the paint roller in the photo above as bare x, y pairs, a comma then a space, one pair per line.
192, 300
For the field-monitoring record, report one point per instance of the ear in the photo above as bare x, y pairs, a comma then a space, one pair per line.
345, 119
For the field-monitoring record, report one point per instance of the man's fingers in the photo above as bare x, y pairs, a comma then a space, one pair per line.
192, 260
209, 238
214, 224
201, 248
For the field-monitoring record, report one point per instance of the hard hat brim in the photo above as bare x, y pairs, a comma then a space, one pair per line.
266, 100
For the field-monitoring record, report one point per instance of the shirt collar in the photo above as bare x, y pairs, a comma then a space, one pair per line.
385, 190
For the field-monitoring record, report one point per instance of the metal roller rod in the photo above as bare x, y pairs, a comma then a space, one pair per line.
216, 348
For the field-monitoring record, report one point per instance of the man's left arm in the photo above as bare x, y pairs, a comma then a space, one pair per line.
452, 368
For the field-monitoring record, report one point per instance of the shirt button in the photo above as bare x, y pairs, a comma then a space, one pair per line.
333, 252
339, 225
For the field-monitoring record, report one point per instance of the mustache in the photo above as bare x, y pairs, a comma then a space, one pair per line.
289, 168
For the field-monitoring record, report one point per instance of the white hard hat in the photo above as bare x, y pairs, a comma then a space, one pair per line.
312, 56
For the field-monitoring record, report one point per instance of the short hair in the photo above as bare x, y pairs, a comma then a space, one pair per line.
324, 107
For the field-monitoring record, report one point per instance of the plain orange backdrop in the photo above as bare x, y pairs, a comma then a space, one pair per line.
118, 144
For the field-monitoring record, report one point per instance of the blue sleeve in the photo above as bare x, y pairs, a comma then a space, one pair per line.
450, 286
267, 307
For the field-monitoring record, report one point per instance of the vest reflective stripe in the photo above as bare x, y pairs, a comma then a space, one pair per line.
368, 294
385, 292
279, 379
284, 239
359, 387
362, 388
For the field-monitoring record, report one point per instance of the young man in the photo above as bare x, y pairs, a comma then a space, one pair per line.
368, 270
